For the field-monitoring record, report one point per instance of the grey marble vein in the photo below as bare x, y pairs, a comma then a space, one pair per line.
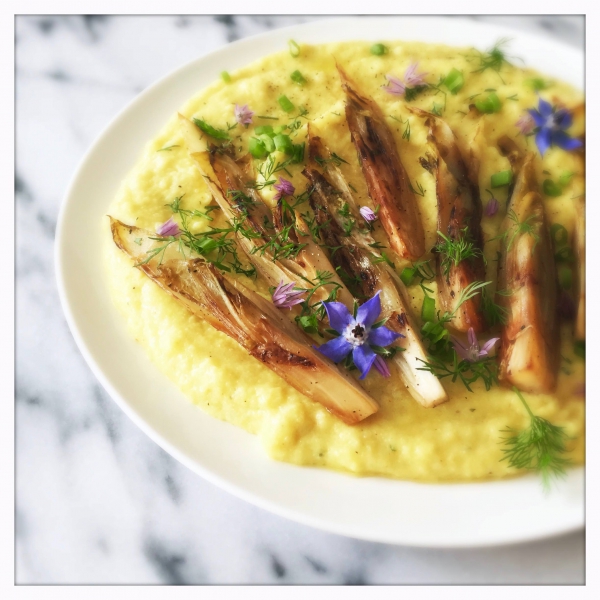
96, 500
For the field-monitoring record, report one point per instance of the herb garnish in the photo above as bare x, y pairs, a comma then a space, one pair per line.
455, 251
538, 448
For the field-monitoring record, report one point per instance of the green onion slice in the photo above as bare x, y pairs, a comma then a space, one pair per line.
489, 105
257, 148
551, 189
565, 178
267, 141
579, 349
298, 78
454, 81
225, 76
294, 48
283, 143
378, 49
285, 103
428, 309
407, 275
559, 234
264, 129
501, 178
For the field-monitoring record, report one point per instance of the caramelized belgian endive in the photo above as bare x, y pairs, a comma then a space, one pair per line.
232, 188
353, 255
386, 177
253, 322
459, 220
529, 349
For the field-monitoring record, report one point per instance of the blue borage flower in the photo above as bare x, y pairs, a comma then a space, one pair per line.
551, 123
357, 334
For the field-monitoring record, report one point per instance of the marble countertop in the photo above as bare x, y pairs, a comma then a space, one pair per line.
96, 500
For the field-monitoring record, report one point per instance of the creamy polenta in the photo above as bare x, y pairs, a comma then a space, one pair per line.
459, 440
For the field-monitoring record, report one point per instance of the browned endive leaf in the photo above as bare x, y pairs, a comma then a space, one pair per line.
459, 220
253, 322
387, 180
530, 343
353, 256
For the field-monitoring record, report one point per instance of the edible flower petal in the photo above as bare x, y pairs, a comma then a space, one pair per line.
284, 188
168, 228
473, 352
551, 122
356, 335
397, 87
367, 214
525, 124
491, 208
381, 366
243, 115
412, 78
285, 296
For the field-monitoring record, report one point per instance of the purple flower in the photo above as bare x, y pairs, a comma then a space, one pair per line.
397, 87
367, 214
473, 353
381, 366
491, 208
357, 335
525, 124
551, 123
243, 115
284, 188
168, 228
284, 295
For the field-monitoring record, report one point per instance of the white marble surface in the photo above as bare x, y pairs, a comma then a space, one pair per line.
96, 500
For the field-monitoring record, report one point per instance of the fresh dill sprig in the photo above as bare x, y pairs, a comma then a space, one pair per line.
435, 332
334, 159
493, 58
217, 245
526, 227
455, 251
419, 191
348, 222
421, 269
539, 447
495, 314
468, 372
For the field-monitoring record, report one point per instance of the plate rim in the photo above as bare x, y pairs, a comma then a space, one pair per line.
165, 443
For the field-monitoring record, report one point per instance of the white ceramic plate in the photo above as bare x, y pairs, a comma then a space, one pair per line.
372, 508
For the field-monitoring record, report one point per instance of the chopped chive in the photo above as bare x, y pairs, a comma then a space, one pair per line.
285, 103
298, 78
294, 48
378, 49
257, 148
551, 189
225, 76
489, 105
267, 141
298, 153
261, 129
559, 234
565, 178
407, 275
283, 143
501, 178
454, 81
265, 117
428, 309
565, 277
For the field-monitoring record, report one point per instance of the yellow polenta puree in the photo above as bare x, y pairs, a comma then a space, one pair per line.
459, 440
